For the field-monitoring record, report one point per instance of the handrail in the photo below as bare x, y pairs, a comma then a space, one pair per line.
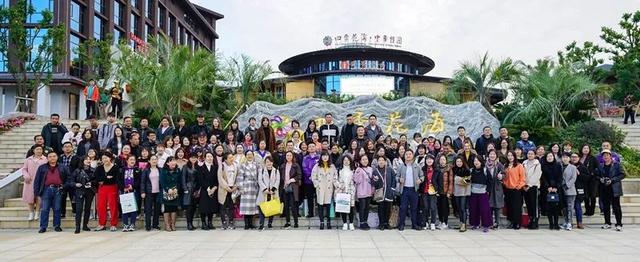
15, 175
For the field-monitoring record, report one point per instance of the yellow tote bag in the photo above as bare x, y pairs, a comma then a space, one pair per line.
272, 207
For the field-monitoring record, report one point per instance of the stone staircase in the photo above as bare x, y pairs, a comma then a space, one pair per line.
15, 143
633, 131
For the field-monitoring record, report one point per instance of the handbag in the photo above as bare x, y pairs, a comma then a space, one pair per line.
343, 203
288, 189
378, 195
170, 194
553, 197
128, 203
272, 207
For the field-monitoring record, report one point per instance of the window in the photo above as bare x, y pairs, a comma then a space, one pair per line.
75, 68
134, 25
118, 13
148, 32
182, 35
98, 5
172, 27
39, 6
4, 66
77, 17
134, 4
37, 41
98, 27
162, 18
4, 4
149, 8
117, 36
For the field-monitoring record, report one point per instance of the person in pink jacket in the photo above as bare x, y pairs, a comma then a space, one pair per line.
364, 190
28, 170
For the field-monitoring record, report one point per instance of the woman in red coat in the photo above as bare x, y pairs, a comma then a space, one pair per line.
265, 132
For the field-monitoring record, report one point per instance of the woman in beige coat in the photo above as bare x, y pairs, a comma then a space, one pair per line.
228, 190
268, 182
323, 177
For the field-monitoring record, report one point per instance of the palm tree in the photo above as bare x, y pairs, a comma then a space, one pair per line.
246, 74
482, 77
164, 75
550, 91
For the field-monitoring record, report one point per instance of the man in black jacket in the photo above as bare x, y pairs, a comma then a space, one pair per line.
200, 127
71, 161
484, 140
127, 127
48, 185
329, 130
38, 140
348, 132
53, 132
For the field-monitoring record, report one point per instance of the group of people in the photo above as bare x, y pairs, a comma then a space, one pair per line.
205, 170
97, 100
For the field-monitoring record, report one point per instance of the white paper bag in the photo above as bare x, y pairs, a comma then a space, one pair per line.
343, 203
128, 203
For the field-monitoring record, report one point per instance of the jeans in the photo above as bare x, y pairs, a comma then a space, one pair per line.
570, 202
409, 197
363, 210
129, 219
83, 209
151, 210
578, 208
51, 198
608, 200
443, 208
429, 216
461, 202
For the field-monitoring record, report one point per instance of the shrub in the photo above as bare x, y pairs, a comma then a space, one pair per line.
592, 133
269, 97
631, 161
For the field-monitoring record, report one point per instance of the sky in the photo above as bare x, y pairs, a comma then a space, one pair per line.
449, 32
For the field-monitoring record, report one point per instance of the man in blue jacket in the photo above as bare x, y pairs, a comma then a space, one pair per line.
48, 185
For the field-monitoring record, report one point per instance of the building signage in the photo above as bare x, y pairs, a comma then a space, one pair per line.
141, 45
375, 40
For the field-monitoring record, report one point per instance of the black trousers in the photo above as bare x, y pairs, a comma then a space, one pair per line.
83, 209
191, 210
384, 208
151, 210
608, 200
91, 108
513, 199
310, 195
68, 193
344, 216
116, 107
323, 211
443, 208
553, 211
531, 200
226, 211
290, 207
629, 113
363, 210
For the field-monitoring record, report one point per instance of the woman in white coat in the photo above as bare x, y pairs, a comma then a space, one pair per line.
268, 182
323, 175
344, 184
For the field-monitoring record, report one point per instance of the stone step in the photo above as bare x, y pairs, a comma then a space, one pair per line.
18, 141
11, 161
12, 154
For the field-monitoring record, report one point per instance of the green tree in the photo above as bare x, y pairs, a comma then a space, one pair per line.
246, 74
624, 47
583, 59
96, 57
33, 53
550, 91
163, 75
481, 77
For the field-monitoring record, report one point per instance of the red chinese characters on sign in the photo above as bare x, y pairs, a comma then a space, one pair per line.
141, 45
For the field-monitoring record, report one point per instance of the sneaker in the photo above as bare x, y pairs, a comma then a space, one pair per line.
37, 216
132, 228
619, 228
113, 229
287, 226
433, 227
463, 228
568, 227
606, 226
100, 228
345, 227
351, 227
125, 228
445, 227
32, 215
485, 230
58, 229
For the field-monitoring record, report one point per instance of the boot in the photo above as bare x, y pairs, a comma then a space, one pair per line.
328, 223
190, 226
463, 227
580, 226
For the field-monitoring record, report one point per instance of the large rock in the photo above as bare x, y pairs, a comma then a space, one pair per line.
407, 115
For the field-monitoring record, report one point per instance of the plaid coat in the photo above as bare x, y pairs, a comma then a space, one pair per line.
248, 184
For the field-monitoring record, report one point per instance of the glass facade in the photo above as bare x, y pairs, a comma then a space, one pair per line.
360, 84
99, 6
172, 27
98, 27
75, 68
37, 41
4, 67
148, 32
39, 6
162, 18
135, 4
76, 14
117, 36
149, 7
359, 65
118, 13
134, 25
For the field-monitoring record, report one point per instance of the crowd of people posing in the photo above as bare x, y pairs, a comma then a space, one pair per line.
205, 170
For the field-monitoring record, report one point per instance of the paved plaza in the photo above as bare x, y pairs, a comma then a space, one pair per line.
314, 245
